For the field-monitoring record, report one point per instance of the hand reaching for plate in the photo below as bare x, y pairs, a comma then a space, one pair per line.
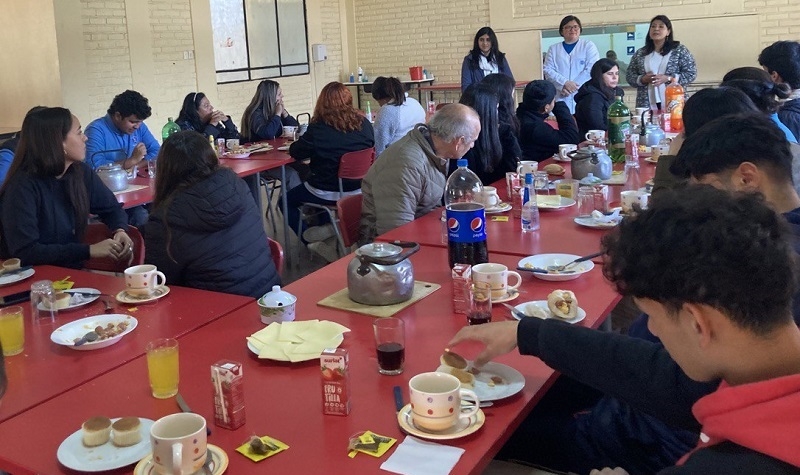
499, 338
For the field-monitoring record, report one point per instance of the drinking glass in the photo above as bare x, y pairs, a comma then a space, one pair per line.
390, 345
43, 302
540, 181
12, 330
162, 367
151, 167
585, 201
480, 310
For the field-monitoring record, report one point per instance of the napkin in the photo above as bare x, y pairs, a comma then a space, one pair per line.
297, 341
548, 200
417, 457
610, 219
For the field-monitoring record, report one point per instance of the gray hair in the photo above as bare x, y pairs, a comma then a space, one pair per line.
453, 121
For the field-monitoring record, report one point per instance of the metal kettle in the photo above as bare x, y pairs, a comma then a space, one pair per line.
591, 159
381, 273
114, 177
650, 134
302, 128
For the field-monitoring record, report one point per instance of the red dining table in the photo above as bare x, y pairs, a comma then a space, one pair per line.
284, 400
45, 369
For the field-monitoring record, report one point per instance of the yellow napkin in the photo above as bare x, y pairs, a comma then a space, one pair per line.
63, 284
245, 450
366, 439
500, 218
297, 341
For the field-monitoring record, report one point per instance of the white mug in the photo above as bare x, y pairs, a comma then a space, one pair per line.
564, 149
232, 144
595, 135
179, 443
289, 130
631, 197
526, 166
143, 280
496, 275
436, 401
489, 197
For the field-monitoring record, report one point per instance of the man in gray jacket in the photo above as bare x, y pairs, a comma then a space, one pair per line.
408, 179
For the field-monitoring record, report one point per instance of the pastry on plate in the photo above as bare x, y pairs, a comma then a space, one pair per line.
96, 431
127, 431
563, 304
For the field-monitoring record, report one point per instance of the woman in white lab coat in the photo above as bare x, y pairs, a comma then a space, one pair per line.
568, 64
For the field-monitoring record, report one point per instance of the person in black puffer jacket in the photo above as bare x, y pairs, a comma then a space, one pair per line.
204, 230
594, 97
538, 140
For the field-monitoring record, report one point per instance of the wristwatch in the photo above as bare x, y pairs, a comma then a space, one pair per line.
669, 80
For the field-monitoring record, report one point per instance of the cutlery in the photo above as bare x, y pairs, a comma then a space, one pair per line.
185, 408
85, 294
109, 308
398, 398
539, 270
87, 338
519, 315
576, 261
466, 403
15, 271
207, 465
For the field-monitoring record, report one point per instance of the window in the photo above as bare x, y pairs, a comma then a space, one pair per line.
259, 39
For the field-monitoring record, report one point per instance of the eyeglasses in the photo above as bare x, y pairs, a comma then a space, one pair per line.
572, 27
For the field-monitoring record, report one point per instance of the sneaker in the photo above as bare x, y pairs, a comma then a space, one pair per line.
327, 251
319, 233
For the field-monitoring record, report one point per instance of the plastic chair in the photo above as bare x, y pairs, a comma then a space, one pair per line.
96, 232
349, 212
352, 166
270, 186
277, 254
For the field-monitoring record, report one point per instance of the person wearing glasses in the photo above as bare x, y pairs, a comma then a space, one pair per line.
567, 65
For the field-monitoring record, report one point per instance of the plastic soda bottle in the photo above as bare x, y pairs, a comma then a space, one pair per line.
619, 126
169, 128
466, 217
675, 97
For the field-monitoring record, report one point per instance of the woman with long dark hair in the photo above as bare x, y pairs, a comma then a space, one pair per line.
485, 58
205, 230
49, 194
661, 61
594, 97
765, 94
398, 114
567, 64
505, 87
265, 116
199, 115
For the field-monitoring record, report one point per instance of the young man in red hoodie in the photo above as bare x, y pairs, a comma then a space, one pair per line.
716, 273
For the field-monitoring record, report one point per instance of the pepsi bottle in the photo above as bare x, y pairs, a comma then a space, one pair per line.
466, 219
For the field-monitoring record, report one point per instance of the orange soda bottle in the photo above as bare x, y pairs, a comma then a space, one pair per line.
675, 97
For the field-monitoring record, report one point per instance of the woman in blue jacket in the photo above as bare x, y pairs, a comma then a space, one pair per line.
485, 58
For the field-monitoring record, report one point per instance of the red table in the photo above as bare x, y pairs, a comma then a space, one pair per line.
284, 400
44, 369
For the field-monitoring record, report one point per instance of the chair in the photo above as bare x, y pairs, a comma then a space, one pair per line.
349, 211
277, 254
96, 232
271, 185
352, 166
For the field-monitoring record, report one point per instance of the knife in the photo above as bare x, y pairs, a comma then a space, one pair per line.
185, 408
398, 398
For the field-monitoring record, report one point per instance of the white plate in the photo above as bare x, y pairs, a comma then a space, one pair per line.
651, 159
590, 222
125, 297
73, 454
513, 381
76, 300
14, 278
541, 261
563, 202
543, 305
219, 462
284, 148
237, 155
65, 335
463, 428
501, 208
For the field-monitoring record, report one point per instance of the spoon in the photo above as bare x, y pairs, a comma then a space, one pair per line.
576, 261
87, 338
207, 465
539, 270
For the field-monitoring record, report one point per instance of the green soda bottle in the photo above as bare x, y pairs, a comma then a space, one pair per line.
619, 126
169, 128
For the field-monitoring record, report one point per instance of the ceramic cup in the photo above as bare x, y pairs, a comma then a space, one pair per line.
179, 443
143, 280
277, 306
595, 135
436, 401
289, 130
564, 149
489, 197
232, 144
526, 166
11, 264
633, 197
496, 275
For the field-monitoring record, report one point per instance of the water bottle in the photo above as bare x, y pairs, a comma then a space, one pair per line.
368, 112
466, 217
530, 210
360, 74
169, 128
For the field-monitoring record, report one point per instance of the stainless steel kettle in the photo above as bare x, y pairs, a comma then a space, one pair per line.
650, 134
591, 159
114, 177
381, 273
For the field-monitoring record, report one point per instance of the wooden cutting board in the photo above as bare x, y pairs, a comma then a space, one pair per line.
341, 301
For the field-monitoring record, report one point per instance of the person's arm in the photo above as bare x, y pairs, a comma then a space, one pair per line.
6, 157
96, 142
385, 125
592, 55
149, 142
396, 199
592, 113
567, 128
185, 125
156, 250
550, 69
466, 74
303, 147
505, 68
636, 69
687, 68
289, 120
265, 129
103, 203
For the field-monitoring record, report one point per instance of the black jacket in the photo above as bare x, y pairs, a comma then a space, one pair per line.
789, 114
591, 108
216, 238
508, 161
325, 145
223, 130
538, 140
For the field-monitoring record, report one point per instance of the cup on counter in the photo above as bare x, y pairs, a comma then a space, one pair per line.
595, 135
143, 280
162, 367
526, 166
489, 197
232, 145
12, 330
585, 201
11, 264
179, 443
496, 276
289, 130
564, 149
390, 345
436, 401
44, 302
633, 197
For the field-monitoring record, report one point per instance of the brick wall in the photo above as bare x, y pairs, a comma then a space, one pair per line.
778, 19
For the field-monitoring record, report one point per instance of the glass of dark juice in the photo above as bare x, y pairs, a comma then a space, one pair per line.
480, 309
390, 345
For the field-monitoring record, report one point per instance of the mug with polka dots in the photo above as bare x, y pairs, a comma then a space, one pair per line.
179, 444
436, 401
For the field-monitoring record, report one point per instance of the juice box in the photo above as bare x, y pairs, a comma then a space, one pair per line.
334, 364
462, 282
227, 379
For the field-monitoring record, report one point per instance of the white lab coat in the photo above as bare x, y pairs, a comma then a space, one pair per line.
560, 67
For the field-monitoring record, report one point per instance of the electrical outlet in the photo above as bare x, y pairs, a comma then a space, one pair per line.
185, 55
191, 54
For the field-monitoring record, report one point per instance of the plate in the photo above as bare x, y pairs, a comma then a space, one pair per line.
219, 462
73, 454
651, 159
76, 300
590, 222
558, 158
543, 305
237, 155
284, 148
541, 261
463, 428
125, 297
65, 335
334, 343
564, 202
501, 208
513, 381
509, 296
14, 278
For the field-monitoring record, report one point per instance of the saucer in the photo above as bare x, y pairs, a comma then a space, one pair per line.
651, 159
558, 158
509, 296
219, 462
463, 427
125, 297
501, 208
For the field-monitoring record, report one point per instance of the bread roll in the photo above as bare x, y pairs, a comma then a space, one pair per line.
554, 169
96, 431
453, 360
127, 431
563, 304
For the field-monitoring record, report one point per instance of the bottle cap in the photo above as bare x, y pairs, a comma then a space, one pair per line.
529, 178
462, 162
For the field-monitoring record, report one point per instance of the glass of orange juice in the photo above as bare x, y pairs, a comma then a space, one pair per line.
12, 330
162, 367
